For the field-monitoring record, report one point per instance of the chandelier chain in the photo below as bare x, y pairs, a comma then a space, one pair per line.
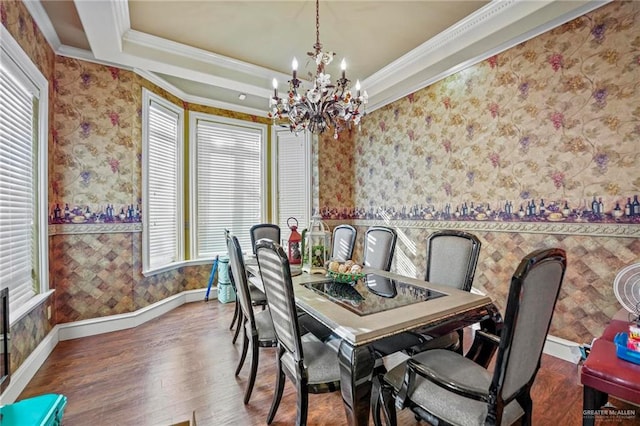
318, 22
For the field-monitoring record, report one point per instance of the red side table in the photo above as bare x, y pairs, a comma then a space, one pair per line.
604, 374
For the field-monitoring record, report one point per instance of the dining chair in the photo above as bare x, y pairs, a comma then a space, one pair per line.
344, 239
379, 246
452, 257
310, 364
264, 230
444, 387
257, 327
257, 296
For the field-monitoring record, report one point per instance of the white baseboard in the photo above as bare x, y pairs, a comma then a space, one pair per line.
562, 348
23, 375
558, 347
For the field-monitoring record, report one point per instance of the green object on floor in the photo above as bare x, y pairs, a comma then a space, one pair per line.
43, 410
226, 293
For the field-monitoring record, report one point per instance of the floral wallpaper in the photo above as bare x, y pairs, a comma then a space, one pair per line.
337, 171
554, 121
96, 151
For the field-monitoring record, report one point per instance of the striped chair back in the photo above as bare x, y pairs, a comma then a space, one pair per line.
240, 278
276, 279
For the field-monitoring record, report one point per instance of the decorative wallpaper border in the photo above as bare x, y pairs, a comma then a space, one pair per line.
590, 229
94, 228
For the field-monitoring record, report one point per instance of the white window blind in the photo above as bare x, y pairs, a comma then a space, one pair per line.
163, 204
293, 180
228, 186
18, 178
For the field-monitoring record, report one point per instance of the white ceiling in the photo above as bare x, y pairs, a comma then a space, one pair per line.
209, 52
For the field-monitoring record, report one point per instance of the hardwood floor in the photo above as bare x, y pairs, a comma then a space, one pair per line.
161, 372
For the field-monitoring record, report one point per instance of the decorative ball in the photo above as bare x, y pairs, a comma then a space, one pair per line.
343, 269
334, 266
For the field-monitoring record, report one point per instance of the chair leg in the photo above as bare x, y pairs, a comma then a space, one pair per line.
235, 315
254, 368
375, 402
388, 405
460, 347
245, 344
239, 326
527, 406
303, 402
277, 395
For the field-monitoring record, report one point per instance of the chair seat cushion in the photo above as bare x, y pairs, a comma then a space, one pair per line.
320, 359
446, 405
257, 296
264, 325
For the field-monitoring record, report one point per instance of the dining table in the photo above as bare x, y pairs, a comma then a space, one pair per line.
377, 307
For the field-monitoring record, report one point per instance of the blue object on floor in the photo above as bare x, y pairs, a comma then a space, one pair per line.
213, 273
43, 410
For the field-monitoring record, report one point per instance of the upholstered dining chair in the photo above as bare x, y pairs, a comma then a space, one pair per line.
256, 295
264, 230
257, 327
379, 246
452, 257
443, 387
310, 364
344, 239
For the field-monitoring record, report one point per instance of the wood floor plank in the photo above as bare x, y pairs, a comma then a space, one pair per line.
158, 373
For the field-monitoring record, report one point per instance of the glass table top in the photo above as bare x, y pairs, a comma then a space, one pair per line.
372, 293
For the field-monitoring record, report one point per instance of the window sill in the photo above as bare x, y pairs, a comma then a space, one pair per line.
25, 309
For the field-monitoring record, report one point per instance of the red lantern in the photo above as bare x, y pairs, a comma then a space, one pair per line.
294, 252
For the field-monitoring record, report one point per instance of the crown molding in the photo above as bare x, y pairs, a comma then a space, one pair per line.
200, 55
430, 51
41, 19
87, 56
472, 40
164, 84
121, 19
419, 68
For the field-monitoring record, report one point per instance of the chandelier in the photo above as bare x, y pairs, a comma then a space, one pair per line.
322, 106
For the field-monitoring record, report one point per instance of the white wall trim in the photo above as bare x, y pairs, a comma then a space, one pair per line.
74, 330
164, 84
23, 375
562, 348
41, 18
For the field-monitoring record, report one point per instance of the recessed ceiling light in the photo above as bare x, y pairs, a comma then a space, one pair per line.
242, 96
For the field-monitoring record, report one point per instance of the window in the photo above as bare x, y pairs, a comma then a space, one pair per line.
23, 177
293, 178
162, 135
228, 181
